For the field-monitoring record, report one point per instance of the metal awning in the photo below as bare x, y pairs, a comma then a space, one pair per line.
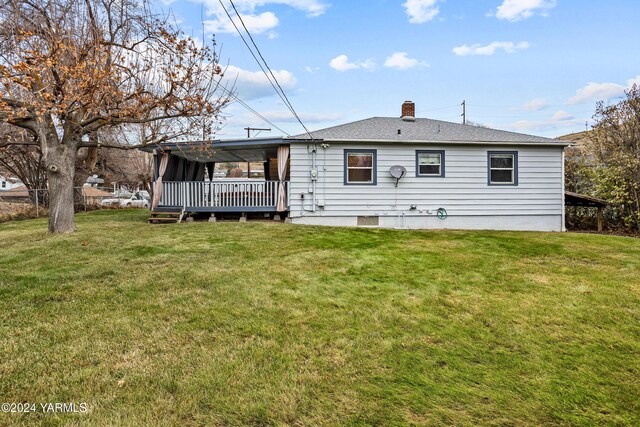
220, 151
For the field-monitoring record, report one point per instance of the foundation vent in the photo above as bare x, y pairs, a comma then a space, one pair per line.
368, 221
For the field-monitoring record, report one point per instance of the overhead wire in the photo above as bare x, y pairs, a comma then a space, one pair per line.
513, 116
252, 110
439, 108
274, 83
286, 98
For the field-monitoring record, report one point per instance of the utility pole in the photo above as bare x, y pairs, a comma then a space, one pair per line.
258, 129
464, 112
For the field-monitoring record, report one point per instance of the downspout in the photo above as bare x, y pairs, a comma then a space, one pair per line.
313, 179
324, 172
313, 182
563, 225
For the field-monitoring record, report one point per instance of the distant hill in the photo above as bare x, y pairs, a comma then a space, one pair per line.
579, 137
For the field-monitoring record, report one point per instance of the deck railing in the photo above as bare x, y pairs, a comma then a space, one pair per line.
225, 194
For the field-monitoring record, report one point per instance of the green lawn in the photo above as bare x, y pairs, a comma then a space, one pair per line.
272, 324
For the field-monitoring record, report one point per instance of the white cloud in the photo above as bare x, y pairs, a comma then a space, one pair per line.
544, 125
312, 8
517, 10
401, 61
536, 104
561, 116
593, 92
421, 11
310, 69
635, 80
559, 120
341, 63
257, 23
490, 49
596, 92
285, 116
250, 85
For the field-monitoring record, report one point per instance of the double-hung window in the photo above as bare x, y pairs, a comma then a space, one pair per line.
503, 167
430, 163
360, 167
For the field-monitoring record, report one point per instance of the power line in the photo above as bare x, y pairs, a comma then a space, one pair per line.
248, 107
438, 109
519, 107
248, 47
279, 91
270, 71
526, 116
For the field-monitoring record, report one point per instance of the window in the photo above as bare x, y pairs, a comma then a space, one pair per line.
4, 184
503, 167
430, 163
360, 167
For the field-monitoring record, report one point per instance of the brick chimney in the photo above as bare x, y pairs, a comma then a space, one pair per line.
408, 111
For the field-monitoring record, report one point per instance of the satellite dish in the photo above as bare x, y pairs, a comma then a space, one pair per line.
397, 172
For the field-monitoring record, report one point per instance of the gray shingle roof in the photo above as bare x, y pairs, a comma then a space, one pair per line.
427, 130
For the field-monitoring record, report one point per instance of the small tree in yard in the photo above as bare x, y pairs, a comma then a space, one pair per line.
69, 68
615, 147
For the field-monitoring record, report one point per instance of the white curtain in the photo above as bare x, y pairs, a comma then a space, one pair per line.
283, 157
157, 188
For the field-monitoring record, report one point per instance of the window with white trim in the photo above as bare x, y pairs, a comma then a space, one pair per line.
360, 167
503, 167
430, 163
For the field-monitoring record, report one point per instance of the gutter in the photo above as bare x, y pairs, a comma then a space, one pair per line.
417, 141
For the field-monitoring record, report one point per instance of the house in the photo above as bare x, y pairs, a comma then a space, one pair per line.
93, 195
403, 172
9, 183
94, 181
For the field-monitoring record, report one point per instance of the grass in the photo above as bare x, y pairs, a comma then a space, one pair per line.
271, 324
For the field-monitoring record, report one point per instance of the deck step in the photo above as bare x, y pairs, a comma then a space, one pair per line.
165, 213
162, 217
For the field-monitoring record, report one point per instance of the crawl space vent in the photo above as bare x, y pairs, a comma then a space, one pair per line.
367, 220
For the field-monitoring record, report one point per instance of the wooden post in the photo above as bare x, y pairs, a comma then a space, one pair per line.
600, 219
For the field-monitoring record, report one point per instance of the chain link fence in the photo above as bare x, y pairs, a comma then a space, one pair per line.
22, 203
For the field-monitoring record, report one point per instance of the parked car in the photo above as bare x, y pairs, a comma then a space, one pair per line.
135, 200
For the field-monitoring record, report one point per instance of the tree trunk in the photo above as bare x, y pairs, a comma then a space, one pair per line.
60, 162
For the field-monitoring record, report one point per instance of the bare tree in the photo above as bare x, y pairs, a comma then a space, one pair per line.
21, 159
69, 68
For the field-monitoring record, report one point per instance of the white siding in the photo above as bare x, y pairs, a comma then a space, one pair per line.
536, 203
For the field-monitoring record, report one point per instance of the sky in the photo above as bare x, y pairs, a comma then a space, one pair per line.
530, 66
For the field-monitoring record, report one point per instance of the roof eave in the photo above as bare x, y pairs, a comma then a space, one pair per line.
551, 143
